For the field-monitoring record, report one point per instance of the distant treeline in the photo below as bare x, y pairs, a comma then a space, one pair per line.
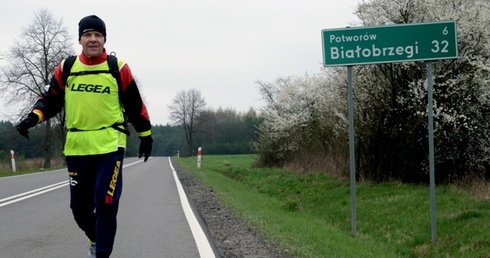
224, 132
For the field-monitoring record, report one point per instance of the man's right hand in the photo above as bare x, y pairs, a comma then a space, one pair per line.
30, 121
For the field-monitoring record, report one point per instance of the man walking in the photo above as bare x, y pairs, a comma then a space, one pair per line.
96, 105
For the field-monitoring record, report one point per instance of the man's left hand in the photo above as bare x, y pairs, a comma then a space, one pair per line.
145, 147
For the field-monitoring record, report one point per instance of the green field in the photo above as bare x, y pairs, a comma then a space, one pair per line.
310, 214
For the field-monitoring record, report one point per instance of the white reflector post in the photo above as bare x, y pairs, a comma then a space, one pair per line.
199, 157
12, 157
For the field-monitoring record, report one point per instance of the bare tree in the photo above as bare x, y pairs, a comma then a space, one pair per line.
187, 110
32, 59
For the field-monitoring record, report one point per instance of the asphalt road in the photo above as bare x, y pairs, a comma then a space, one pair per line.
154, 220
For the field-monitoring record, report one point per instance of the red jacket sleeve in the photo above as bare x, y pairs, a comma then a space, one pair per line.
52, 101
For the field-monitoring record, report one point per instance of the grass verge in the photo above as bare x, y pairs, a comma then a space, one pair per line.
310, 214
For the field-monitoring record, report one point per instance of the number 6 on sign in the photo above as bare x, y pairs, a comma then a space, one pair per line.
445, 31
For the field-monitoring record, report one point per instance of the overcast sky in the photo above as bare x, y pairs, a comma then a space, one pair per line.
219, 47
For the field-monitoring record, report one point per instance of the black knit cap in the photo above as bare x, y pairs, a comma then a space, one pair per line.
91, 23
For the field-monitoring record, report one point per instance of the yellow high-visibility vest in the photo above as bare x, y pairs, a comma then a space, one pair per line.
92, 107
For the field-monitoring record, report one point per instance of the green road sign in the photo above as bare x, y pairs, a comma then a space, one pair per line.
390, 43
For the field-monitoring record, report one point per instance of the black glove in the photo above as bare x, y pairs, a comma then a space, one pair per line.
30, 121
145, 147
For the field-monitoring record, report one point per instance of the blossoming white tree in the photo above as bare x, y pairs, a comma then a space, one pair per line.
391, 102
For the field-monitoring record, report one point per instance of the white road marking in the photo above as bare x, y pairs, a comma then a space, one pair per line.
23, 196
30, 194
202, 242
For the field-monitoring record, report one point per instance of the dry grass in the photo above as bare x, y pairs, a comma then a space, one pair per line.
476, 186
31, 164
337, 166
334, 165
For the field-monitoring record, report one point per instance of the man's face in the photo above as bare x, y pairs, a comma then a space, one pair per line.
92, 43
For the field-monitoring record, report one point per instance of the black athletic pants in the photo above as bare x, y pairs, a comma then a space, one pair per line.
95, 189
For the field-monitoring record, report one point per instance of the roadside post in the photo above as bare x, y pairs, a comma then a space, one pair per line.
388, 44
352, 163
12, 158
199, 158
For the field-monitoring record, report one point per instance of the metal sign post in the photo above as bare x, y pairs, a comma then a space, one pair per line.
431, 154
352, 163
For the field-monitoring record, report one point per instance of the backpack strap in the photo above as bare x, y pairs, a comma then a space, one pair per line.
114, 69
65, 71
